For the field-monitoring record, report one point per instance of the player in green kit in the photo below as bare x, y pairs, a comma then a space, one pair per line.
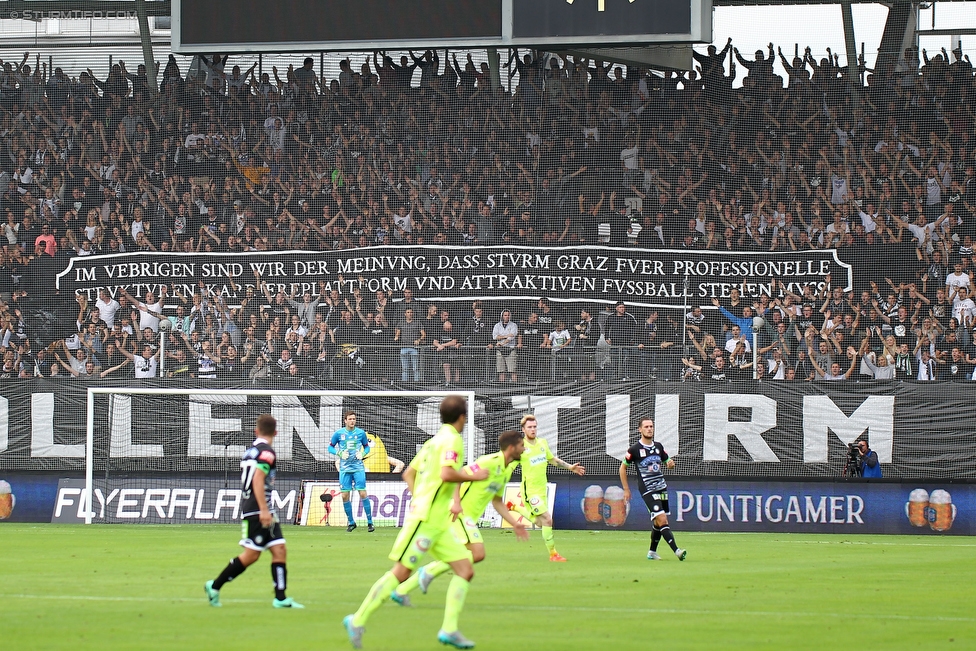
534, 461
475, 496
434, 477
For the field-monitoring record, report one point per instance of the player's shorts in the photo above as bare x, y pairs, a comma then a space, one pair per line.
348, 479
258, 538
657, 504
466, 529
536, 504
419, 538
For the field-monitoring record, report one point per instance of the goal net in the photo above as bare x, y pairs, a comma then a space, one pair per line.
173, 455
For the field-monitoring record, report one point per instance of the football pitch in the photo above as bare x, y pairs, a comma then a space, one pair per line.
141, 587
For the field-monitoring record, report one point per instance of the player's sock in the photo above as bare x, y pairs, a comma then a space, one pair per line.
669, 537
550, 539
279, 575
347, 507
379, 593
655, 537
368, 507
456, 592
524, 512
233, 570
434, 569
521, 510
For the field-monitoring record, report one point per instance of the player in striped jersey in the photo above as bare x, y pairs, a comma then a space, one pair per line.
650, 458
475, 497
260, 529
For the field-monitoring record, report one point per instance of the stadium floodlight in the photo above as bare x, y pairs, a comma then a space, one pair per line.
149, 441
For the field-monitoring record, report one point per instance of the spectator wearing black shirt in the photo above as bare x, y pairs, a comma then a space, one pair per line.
347, 337
587, 336
533, 335
620, 333
477, 341
445, 353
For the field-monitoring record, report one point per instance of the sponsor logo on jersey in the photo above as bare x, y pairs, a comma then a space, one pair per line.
266, 455
423, 544
536, 460
450, 455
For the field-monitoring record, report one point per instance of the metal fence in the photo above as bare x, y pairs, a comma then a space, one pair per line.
454, 366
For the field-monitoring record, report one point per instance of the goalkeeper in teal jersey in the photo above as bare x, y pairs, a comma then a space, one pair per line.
475, 496
351, 446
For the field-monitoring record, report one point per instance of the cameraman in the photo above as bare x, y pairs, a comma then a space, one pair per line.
868, 463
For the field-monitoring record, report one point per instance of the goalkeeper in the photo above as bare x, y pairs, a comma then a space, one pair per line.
475, 496
350, 445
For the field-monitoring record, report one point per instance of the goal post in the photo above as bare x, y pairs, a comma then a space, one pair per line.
147, 446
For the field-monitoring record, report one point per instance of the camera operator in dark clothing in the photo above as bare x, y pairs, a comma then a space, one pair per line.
870, 467
862, 461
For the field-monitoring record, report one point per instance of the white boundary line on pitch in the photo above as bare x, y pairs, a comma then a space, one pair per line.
64, 597
753, 613
865, 542
585, 609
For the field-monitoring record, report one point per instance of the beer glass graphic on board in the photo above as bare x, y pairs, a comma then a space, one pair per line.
918, 503
615, 507
935, 511
592, 504
7, 500
942, 512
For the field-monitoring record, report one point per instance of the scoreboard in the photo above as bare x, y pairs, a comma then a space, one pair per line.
211, 26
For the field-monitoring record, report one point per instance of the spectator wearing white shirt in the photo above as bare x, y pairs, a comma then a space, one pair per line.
963, 307
737, 338
145, 364
927, 367
151, 309
869, 219
838, 228
403, 221
921, 229
958, 279
507, 338
107, 308
777, 365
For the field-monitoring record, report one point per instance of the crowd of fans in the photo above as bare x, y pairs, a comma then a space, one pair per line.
579, 152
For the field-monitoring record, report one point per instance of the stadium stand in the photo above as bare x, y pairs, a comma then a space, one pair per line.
578, 152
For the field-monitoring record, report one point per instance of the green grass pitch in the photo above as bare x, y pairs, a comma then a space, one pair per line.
141, 587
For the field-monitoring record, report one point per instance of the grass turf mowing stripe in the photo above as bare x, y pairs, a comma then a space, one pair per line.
738, 592
648, 611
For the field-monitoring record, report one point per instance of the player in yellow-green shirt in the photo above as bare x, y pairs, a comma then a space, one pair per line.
534, 461
475, 497
428, 527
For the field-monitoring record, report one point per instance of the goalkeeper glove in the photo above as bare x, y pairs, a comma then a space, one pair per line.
344, 455
359, 454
